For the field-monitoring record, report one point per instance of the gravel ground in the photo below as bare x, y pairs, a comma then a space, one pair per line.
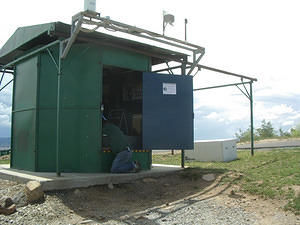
167, 200
189, 212
195, 212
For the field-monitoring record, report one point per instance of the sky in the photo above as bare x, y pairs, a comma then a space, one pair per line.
257, 38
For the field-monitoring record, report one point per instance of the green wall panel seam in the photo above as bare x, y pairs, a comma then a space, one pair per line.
44, 108
24, 110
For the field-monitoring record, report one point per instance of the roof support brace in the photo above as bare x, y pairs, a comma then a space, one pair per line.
75, 28
9, 65
220, 86
208, 68
6, 85
195, 61
226, 72
52, 57
30, 54
2, 76
169, 70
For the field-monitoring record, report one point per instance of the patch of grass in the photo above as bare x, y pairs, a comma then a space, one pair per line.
294, 205
4, 161
270, 174
166, 159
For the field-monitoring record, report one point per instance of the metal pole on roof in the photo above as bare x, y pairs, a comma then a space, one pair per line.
163, 23
185, 23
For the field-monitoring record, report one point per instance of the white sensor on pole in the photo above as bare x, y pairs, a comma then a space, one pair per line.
90, 5
167, 19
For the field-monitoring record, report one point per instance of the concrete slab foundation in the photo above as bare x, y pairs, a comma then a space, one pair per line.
51, 182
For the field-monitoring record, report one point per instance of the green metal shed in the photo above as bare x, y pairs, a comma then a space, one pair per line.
58, 103
67, 77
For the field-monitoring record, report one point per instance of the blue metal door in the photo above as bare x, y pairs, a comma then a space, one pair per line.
167, 111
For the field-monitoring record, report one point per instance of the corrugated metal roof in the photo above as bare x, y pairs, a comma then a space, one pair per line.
27, 38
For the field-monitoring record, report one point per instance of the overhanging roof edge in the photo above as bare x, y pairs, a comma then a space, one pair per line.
15, 44
23, 35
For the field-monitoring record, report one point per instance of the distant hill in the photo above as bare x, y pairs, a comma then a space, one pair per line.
4, 142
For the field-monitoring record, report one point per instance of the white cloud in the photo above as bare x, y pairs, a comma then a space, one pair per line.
5, 115
5, 120
288, 123
212, 115
273, 112
4, 109
295, 117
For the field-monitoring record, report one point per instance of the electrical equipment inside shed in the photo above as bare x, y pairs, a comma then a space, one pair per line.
122, 101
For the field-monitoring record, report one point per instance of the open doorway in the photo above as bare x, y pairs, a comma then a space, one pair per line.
123, 103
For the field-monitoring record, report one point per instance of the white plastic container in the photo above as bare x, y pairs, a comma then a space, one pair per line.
90, 5
221, 150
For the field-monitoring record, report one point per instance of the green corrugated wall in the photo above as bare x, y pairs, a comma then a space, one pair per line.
24, 112
35, 93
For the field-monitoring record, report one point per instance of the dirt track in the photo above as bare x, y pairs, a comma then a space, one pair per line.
183, 198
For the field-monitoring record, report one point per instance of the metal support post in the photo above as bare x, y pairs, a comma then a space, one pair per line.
183, 69
58, 169
58, 125
251, 120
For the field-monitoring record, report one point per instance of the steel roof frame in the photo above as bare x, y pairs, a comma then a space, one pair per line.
94, 19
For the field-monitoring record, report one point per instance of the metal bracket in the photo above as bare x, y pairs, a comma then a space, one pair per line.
6, 85
169, 68
2, 76
246, 92
195, 62
75, 28
52, 57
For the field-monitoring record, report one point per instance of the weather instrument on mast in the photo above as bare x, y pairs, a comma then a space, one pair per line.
168, 19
